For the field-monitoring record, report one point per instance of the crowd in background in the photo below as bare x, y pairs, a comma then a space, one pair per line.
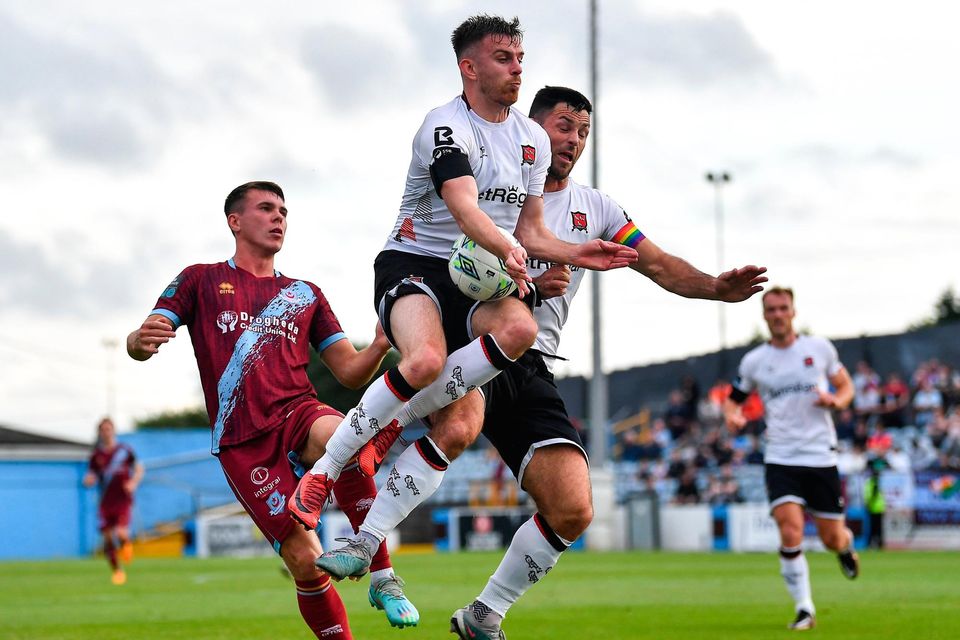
897, 421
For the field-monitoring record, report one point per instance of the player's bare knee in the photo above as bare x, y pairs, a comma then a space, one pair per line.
574, 521
454, 438
301, 564
424, 366
518, 335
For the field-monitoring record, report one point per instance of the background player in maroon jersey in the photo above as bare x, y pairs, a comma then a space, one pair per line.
114, 467
251, 328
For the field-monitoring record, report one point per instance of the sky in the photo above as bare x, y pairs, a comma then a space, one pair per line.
123, 125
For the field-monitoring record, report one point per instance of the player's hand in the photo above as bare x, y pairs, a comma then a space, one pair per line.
516, 264
601, 255
735, 421
553, 282
146, 341
130, 486
380, 338
825, 399
737, 285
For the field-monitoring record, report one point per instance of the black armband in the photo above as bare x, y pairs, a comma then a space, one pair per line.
737, 396
448, 163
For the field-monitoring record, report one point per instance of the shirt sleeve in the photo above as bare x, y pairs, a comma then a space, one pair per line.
832, 358
324, 328
442, 137
744, 383
178, 301
618, 227
541, 163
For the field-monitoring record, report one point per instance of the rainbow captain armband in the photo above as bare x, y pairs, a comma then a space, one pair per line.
628, 235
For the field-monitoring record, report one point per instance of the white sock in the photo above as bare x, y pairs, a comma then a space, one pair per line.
466, 369
796, 575
378, 406
530, 557
376, 577
414, 477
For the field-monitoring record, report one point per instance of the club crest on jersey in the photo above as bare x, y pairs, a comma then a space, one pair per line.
579, 221
226, 288
808, 361
529, 153
276, 502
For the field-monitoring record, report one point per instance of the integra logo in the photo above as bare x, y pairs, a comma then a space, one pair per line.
513, 195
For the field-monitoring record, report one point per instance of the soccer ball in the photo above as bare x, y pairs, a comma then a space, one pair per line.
478, 273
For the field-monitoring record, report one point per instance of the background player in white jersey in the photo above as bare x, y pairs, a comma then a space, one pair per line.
793, 375
477, 164
521, 411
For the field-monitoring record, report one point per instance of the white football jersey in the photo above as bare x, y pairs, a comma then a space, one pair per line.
799, 433
575, 214
509, 160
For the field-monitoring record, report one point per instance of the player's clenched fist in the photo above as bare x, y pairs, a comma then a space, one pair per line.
146, 341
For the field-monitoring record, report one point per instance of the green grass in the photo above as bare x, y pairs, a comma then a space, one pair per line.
607, 596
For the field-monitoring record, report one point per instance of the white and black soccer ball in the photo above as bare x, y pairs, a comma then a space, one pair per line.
478, 273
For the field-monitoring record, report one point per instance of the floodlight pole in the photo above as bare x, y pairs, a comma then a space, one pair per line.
719, 180
598, 411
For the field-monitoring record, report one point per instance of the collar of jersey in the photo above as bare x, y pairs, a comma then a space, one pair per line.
233, 265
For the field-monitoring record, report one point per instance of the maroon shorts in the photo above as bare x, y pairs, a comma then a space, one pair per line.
115, 515
261, 471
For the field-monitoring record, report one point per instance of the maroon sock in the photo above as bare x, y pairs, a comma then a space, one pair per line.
355, 494
110, 550
322, 609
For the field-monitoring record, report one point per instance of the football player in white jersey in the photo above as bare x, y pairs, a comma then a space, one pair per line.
794, 375
521, 411
477, 164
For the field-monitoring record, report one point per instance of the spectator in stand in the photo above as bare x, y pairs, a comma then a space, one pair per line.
898, 459
660, 434
951, 393
846, 423
922, 453
950, 449
723, 488
879, 442
866, 391
687, 490
875, 504
677, 416
629, 446
755, 455
691, 395
677, 464
894, 400
937, 428
927, 399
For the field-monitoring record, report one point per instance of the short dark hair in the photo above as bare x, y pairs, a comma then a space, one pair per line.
476, 28
237, 195
549, 97
784, 291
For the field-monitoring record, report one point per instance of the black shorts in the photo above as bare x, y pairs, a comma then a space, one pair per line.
816, 488
398, 274
524, 411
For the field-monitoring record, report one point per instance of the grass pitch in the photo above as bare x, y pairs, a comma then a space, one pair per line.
589, 595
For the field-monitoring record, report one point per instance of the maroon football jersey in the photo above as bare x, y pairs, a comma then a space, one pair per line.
251, 338
113, 468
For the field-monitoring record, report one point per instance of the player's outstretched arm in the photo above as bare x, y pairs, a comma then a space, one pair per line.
539, 241
353, 368
460, 195
145, 341
680, 277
